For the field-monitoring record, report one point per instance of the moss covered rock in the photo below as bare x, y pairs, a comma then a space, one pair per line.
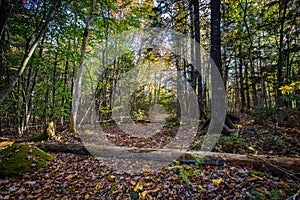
20, 158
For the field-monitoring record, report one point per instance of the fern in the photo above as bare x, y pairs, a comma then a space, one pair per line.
199, 160
182, 172
185, 176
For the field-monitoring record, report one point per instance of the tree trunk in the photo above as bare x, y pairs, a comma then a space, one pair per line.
215, 48
64, 98
54, 78
76, 92
279, 101
3, 16
237, 88
197, 58
242, 87
247, 87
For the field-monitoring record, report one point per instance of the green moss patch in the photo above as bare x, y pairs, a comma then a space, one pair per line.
20, 158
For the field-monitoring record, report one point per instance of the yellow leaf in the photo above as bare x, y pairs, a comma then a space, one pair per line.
260, 178
112, 177
252, 178
139, 186
286, 89
55, 169
251, 148
143, 194
217, 182
87, 196
98, 186
200, 187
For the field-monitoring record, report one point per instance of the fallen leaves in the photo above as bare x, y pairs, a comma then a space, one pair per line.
254, 178
5, 144
72, 176
55, 168
82, 177
200, 187
143, 194
264, 140
139, 186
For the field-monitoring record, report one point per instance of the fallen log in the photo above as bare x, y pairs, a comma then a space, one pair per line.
64, 148
168, 155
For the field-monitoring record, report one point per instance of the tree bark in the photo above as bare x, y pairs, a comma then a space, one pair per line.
3, 15
196, 72
279, 101
77, 87
215, 51
242, 86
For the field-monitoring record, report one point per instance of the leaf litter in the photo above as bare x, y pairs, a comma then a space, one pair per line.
72, 176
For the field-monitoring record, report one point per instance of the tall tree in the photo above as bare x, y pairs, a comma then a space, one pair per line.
42, 29
77, 88
282, 17
197, 57
215, 47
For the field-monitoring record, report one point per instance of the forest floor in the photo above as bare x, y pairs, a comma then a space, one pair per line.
73, 176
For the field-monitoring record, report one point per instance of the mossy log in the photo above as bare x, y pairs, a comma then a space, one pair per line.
65, 148
169, 155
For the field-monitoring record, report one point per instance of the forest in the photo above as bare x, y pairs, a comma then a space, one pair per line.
140, 99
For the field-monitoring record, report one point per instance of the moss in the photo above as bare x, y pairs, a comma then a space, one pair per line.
20, 158
39, 137
257, 173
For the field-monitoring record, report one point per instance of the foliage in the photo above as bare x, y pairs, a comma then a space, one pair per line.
185, 170
251, 56
291, 93
260, 55
45, 88
172, 122
232, 143
199, 160
182, 170
286, 89
264, 112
